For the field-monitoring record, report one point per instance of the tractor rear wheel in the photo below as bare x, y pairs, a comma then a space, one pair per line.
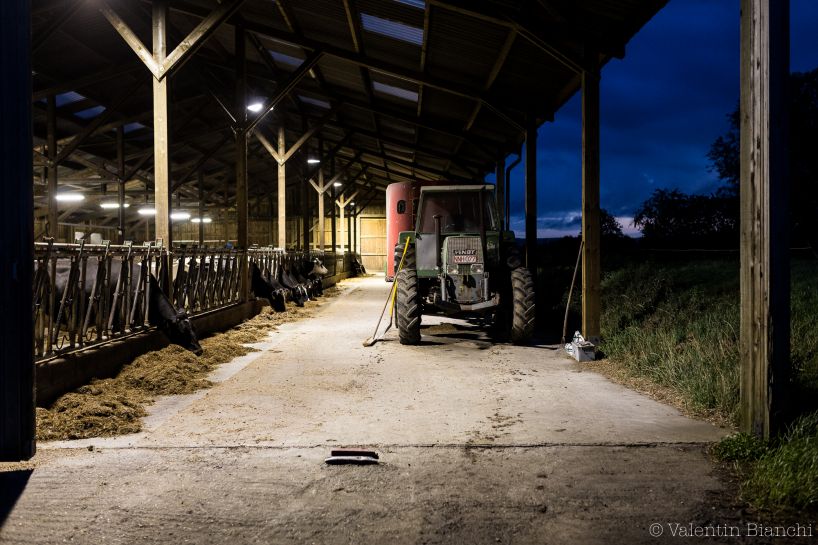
407, 307
409, 261
523, 308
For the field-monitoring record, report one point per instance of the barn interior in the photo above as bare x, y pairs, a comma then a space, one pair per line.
272, 128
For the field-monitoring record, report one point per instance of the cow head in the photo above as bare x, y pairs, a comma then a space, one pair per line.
261, 287
318, 268
180, 331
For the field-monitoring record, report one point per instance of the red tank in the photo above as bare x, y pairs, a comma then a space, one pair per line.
401, 200
400, 216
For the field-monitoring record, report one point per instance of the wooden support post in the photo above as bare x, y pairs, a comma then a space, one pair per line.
282, 188
120, 165
241, 136
531, 197
51, 142
764, 191
340, 205
305, 213
161, 121
201, 207
500, 189
321, 198
354, 215
349, 231
590, 206
17, 437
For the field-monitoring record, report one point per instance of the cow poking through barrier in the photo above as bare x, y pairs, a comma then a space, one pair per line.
263, 287
173, 322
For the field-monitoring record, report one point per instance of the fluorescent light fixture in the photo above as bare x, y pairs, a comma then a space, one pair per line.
255, 107
147, 211
70, 197
180, 216
337, 184
202, 220
109, 205
352, 204
313, 161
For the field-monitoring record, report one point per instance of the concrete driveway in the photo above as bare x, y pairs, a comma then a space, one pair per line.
480, 443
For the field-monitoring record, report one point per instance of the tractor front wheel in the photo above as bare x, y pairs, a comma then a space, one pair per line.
407, 306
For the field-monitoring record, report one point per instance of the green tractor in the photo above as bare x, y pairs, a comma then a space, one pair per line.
459, 262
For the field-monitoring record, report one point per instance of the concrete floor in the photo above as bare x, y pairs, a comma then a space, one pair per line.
480, 443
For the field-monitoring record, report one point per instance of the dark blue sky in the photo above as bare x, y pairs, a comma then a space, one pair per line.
662, 106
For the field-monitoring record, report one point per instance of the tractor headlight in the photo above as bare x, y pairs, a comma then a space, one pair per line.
451, 269
477, 268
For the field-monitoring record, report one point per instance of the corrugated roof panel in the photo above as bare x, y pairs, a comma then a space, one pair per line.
392, 90
90, 112
343, 74
462, 49
392, 29
446, 105
419, 4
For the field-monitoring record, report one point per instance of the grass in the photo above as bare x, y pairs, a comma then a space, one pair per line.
672, 323
781, 475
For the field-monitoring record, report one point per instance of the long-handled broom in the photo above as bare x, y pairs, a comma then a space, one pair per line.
392, 293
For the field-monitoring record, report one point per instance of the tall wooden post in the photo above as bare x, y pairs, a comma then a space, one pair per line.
321, 198
500, 190
764, 189
531, 197
51, 143
161, 122
120, 165
349, 231
282, 188
333, 234
17, 437
590, 206
200, 176
241, 136
341, 221
305, 212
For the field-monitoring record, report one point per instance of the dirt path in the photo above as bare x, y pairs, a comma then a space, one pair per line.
480, 443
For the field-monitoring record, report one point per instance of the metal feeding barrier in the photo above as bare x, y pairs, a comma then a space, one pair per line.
86, 294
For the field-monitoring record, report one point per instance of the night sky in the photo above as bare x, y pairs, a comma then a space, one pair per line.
662, 106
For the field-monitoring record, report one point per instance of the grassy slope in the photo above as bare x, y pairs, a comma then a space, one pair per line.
675, 323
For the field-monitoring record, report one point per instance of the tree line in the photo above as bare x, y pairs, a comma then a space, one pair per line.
671, 218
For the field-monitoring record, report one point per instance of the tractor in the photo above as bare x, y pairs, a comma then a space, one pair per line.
459, 262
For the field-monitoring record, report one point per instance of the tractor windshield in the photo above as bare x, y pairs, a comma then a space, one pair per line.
459, 212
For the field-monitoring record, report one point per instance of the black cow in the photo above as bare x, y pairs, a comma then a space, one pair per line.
314, 271
262, 287
298, 292
174, 323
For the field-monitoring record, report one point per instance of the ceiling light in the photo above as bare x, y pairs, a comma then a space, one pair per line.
147, 211
201, 220
109, 205
255, 107
180, 216
337, 184
313, 161
70, 197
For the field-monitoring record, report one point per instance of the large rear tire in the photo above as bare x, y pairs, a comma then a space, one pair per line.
523, 305
409, 261
407, 307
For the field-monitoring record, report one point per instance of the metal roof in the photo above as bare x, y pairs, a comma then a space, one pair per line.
435, 89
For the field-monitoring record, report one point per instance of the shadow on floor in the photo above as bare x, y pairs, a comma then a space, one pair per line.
12, 484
